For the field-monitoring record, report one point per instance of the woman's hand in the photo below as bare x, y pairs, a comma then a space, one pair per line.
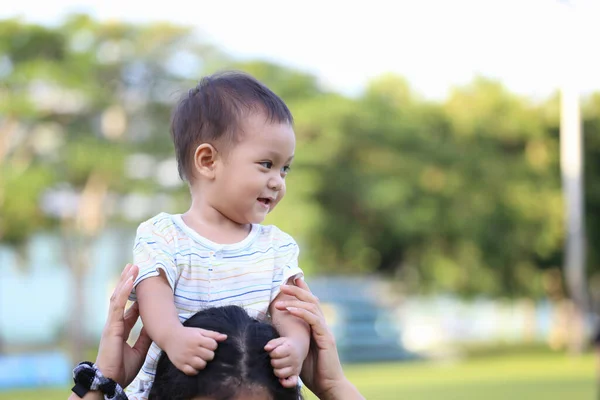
116, 359
322, 371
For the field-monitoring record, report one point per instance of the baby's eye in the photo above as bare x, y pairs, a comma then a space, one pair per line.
286, 170
266, 164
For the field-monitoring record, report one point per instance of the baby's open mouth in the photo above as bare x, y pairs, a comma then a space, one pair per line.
264, 200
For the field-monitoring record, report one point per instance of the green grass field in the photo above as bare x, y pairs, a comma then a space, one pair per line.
526, 376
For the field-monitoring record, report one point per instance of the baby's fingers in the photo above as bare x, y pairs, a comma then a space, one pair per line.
219, 337
284, 373
189, 370
205, 354
280, 363
290, 382
274, 343
197, 363
280, 352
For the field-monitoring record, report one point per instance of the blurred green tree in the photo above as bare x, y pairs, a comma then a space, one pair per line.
461, 195
77, 102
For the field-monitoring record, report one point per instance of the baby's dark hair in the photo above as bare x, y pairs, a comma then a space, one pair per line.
214, 109
241, 364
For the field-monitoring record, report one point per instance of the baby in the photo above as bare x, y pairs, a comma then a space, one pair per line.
234, 144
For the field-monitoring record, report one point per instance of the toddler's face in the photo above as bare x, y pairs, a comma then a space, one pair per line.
251, 178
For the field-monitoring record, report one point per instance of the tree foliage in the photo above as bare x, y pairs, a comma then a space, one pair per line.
461, 195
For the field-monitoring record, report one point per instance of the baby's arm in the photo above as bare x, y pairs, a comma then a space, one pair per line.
289, 351
188, 348
157, 309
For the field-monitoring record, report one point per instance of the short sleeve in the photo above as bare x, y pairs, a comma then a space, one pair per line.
289, 269
151, 253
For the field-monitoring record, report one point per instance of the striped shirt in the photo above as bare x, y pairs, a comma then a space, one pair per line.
205, 274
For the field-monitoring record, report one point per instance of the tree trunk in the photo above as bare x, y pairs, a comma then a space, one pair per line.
572, 180
78, 238
76, 332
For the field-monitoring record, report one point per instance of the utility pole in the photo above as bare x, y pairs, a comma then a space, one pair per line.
571, 163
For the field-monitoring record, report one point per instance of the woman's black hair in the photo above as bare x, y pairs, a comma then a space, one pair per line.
240, 364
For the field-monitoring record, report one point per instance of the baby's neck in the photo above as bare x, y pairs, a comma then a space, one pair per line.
214, 226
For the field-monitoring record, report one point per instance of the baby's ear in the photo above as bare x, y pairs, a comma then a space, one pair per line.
204, 161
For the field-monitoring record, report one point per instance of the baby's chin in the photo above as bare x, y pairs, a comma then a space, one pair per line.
253, 216
257, 220
252, 219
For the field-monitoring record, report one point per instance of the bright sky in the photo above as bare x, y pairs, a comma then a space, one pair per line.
527, 44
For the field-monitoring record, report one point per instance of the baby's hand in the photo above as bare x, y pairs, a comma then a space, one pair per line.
189, 349
286, 360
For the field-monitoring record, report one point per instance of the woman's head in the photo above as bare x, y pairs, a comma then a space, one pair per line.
241, 368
